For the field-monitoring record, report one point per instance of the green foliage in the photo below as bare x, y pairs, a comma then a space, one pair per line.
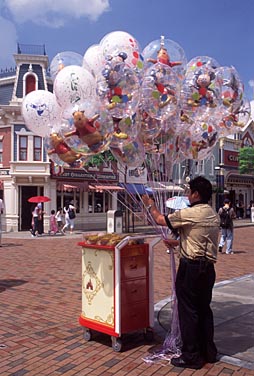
98, 159
246, 160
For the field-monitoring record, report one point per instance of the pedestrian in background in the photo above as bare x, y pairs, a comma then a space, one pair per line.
70, 215
34, 221
1, 212
198, 227
59, 220
41, 212
227, 214
53, 223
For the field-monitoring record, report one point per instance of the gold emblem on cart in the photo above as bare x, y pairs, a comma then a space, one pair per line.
109, 320
91, 283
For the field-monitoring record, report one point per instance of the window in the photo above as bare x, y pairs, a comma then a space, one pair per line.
200, 167
30, 83
212, 162
98, 202
23, 148
1, 151
37, 148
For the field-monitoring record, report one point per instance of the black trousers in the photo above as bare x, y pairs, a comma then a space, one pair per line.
194, 284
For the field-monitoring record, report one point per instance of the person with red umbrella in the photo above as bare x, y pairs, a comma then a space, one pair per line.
37, 220
37, 214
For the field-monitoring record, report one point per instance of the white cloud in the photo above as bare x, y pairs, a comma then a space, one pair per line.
55, 13
8, 43
251, 83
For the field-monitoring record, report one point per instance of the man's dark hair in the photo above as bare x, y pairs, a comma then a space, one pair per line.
226, 201
203, 187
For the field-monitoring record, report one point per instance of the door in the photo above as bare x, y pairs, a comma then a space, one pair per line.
26, 208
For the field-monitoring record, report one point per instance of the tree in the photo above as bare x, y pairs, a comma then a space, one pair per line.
98, 159
246, 160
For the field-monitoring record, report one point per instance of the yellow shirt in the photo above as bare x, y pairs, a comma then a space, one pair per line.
198, 227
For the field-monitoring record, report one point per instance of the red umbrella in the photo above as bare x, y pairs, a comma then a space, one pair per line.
37, 199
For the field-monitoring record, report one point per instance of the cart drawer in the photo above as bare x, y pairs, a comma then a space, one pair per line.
134, 267
134, 316
135, 250
134, 291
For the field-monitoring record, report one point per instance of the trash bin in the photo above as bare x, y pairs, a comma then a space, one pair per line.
252, 214
114, 221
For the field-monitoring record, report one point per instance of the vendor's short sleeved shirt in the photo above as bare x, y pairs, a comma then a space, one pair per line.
198, 227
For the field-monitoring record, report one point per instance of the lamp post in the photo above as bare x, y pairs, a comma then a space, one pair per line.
219, 186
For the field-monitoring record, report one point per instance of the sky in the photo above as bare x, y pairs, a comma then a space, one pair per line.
221, 29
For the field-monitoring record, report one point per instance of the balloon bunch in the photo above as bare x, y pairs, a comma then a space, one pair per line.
135, 102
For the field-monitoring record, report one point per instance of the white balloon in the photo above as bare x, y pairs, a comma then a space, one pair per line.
94, 60
74, 85
40, 110
119, 41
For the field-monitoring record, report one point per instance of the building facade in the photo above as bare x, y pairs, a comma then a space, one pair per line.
25, 169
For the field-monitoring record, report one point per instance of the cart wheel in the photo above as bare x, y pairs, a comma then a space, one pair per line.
116, 344
87, 335
148, 334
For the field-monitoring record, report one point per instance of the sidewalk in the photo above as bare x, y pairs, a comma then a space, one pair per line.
233, 308
40, 291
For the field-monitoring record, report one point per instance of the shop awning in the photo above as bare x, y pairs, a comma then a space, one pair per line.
73, 185
85, 186
102, 187
138, 189
158, 186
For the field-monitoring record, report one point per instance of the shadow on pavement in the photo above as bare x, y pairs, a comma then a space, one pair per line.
233, 308
9, 283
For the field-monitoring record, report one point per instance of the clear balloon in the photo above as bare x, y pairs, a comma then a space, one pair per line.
40, 110
201, 93
64, 59
232, 88
236, 120
130, 154
167, 52
149, 127
125, 129
201, 62
199, 139
119, 89
121, 42
74, 85
89, 135
160, 91
58, 150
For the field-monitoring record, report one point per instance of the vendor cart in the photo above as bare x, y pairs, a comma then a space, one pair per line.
117, 288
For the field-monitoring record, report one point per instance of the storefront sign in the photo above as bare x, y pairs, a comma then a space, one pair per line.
91, 176
231, 158
4, 172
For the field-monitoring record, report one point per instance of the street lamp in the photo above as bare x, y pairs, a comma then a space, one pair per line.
219, 186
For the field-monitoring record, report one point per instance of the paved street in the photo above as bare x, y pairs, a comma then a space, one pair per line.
40, 286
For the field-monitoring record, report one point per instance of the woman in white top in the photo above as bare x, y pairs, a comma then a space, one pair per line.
59, 219
69, 220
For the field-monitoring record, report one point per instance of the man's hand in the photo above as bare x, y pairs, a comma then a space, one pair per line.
147, 200
171, 243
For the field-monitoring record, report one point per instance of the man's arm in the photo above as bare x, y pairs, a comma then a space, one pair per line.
158, 217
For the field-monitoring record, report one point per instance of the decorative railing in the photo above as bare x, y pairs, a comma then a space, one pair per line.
31, 49
8, 72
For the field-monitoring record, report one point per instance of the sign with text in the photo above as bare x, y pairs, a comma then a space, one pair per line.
231, 158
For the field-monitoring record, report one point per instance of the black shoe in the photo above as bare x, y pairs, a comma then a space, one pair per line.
212, 360
220, 249
180, 362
